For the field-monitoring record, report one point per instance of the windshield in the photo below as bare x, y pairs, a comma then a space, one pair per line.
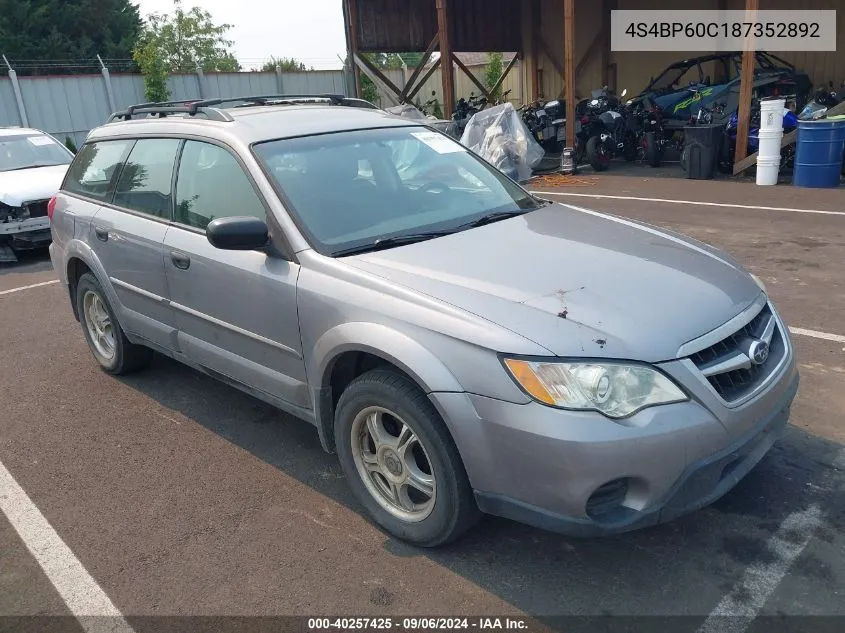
349, 189
22, 151
673, 78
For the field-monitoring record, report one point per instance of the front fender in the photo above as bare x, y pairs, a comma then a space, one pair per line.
404, 352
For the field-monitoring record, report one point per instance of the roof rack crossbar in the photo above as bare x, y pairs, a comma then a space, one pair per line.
164, 108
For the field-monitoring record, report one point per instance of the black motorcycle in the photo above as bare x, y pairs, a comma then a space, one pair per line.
644, 119
464, 109
601, 130
547, 124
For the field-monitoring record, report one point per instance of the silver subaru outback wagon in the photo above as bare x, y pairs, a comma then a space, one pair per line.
462, 345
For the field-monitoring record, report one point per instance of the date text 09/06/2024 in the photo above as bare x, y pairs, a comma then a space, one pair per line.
418, 624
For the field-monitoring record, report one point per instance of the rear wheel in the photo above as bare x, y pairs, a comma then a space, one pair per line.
106, 340
400, 460
597, 154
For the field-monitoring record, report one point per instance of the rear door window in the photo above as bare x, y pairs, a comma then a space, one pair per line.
93, 170
145, 182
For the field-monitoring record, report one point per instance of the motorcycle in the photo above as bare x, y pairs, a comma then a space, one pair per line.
464, 111
601, 130
499, 136
547, 125
789, 122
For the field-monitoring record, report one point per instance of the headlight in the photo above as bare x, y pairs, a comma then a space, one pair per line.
616, 390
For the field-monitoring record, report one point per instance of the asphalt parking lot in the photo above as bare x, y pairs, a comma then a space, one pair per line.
182, 497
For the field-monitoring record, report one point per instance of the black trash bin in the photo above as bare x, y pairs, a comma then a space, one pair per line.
702, 145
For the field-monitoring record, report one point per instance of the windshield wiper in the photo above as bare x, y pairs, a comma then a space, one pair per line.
390, 242
495, 217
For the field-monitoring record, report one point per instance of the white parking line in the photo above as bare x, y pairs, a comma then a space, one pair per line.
827, 336
739, 607
19, 288
728, 205
80, 592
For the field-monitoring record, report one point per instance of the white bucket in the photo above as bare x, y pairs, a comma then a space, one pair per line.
767, 170
771, 114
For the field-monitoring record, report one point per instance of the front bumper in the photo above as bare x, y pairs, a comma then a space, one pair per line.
26, 234
542, 466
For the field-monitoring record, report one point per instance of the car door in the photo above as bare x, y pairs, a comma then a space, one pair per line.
131, 182
128, 236
235, 310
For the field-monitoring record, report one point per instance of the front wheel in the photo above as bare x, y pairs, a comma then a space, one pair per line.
653, 149
400, 460
597, 154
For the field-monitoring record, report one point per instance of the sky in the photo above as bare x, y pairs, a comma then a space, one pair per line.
310, 30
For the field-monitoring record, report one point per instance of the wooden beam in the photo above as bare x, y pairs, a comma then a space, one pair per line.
425, 78
501, 79
591, 52
531, 65
569, 68
446, 55
410, 83
352, 7
472, 77
746, 80
378, 78
547, 51
607, 7
748, 161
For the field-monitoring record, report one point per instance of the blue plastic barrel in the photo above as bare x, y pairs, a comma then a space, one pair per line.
819, 152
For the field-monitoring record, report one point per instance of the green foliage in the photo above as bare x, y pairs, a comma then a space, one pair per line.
285, 64
436, 110
66, 30
368, 89
147, 55
385, 61
70, 144
412, 60
184, 39
492, 72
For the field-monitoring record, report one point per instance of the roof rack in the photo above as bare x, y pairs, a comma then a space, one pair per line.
207, 107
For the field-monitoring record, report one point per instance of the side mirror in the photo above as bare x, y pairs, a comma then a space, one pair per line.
237, 233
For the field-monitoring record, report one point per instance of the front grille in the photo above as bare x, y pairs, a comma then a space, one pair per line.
37, 209
727, 364
607, 499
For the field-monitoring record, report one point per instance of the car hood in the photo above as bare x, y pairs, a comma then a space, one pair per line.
27, 185
577, 282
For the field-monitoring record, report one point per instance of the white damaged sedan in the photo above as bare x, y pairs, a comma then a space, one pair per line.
32, 167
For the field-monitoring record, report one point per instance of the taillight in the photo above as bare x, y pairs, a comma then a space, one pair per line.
51, 206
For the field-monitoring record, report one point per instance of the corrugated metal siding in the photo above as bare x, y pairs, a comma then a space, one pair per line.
485, 25
396, 26
9, 115
73, 105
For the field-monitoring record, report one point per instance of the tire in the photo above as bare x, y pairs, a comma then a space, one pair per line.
384, 400
653, 151
630, 150
125, 357
596, 155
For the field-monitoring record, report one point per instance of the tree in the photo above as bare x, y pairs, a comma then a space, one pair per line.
184, 40
492, 73
65, 36
285, 64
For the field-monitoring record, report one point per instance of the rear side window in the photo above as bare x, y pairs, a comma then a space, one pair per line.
145, 182
94, 167
212, 184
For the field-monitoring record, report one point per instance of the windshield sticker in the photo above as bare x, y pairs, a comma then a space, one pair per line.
439, 143
40, 140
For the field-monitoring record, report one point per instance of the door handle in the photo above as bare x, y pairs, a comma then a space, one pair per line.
180, 260
102, 234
